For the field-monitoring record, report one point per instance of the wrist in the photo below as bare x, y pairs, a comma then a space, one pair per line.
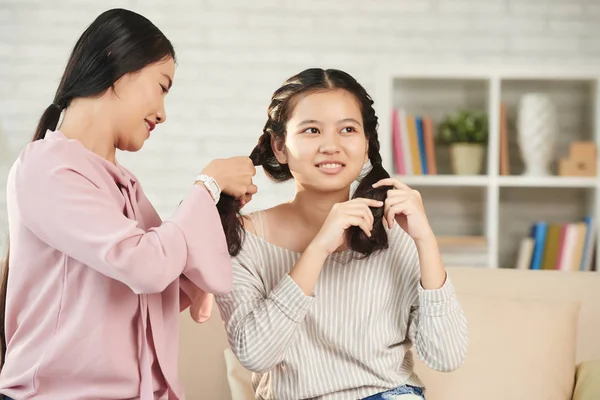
211, 185
201, 184
314, 250
427, 241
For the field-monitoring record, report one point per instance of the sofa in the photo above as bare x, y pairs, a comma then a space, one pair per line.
533, 335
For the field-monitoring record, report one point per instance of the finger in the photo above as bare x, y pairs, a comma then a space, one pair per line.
391, 217
252, 189
390, 182
389, 213
247, 197
365, 213
368, 215
362, 210
359, 221
398, 193
369, 202
396, 209
393, 200
366, 227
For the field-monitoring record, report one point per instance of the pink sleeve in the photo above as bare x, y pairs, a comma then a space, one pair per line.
68, 211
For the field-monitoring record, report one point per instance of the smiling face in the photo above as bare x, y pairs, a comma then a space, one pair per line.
325, 145
139, 103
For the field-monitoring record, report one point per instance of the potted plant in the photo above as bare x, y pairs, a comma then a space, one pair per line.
466, 133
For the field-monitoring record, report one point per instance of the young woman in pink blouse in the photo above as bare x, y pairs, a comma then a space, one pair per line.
95, 279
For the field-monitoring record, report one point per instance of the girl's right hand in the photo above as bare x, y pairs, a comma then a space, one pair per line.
342, 216
233, 175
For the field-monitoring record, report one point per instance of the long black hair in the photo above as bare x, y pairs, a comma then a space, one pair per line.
116, 43
280, 110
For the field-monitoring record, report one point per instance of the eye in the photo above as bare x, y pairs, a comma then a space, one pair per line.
311, 130
164, 89
348, 129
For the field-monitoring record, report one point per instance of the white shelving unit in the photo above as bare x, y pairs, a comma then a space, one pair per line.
501, 208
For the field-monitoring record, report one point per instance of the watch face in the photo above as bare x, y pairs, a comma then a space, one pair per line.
214, 187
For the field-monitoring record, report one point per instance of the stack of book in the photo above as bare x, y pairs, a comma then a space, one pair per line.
413, 142
565, 247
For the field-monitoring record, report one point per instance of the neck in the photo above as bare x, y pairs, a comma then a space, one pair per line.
314, 207
85, 120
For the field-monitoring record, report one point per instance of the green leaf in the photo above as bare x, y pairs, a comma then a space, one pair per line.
464, 126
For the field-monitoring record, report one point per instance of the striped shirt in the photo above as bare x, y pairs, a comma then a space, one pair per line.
354, 337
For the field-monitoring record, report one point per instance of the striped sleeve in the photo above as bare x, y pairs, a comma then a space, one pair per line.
260, 326
438, 328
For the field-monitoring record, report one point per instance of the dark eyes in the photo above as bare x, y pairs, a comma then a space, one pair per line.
164, 89
311, 130
348, 129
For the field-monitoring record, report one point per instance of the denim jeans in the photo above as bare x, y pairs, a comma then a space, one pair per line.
397, 393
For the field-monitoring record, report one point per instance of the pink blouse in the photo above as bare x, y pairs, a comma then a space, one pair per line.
96, 279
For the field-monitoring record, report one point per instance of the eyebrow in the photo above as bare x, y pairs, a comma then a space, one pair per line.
314, 121
170, 80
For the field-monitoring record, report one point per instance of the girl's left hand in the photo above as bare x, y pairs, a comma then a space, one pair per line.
405, 206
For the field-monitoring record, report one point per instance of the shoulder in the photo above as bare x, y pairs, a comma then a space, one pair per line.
256, 227
259, 223
49, 157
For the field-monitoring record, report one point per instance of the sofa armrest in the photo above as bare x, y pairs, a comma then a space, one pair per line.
587, 381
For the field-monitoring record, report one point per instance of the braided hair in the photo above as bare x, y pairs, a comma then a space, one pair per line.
282, 105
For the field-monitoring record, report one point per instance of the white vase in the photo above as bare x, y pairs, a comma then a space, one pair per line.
537, 127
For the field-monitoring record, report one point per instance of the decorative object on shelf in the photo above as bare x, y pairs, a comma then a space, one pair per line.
537, 127
466, 132
581, 161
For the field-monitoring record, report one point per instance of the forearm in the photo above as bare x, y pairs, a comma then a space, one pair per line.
274, 318
441, 334
433, 273
308, 268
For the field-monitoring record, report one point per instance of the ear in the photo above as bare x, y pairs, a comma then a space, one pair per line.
366, 152
279, 150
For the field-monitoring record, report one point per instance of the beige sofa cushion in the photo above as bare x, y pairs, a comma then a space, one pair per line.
545, 285
587, 386
520, 348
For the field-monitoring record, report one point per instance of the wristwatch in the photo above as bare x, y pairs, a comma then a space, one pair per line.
211, 185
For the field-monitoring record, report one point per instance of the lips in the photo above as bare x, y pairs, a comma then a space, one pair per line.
150, 125
330, 164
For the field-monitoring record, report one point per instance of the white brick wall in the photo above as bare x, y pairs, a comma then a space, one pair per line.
232, 54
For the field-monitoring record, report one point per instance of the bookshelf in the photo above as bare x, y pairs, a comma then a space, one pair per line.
501, 208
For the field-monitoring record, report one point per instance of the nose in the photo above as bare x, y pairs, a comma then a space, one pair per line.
161, 115
330, 143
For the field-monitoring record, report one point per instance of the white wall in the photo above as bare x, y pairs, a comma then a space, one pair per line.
232, 54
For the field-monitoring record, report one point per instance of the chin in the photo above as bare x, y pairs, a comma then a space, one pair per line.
137, 143
331, 184
131, 146
136, 147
